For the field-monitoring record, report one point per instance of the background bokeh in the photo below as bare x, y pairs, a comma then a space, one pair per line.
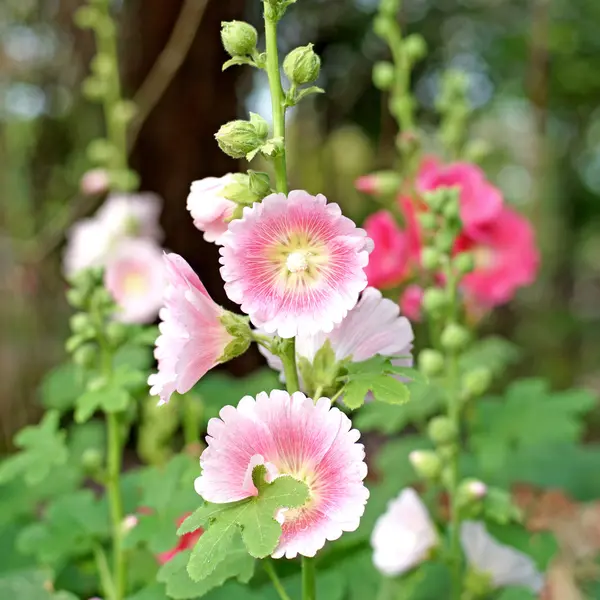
532, 67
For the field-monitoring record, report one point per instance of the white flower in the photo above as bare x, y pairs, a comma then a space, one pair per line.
505, 565
403, 535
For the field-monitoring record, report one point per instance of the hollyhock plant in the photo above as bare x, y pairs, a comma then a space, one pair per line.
193, 334
504, 565
135, 276
290, 435
373, 326
388, 263
410, 302
209, 209
506, 258
294, 263
404, 535
186, 542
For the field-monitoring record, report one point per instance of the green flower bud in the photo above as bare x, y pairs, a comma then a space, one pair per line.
427, 220
383, 26
85, 356
471, 492
383, 75
451, 209
80, 322
124, 180
91, 460
124, 111
431, 362
76, 298
430, 258
102, 65
434, 300
389, 7
444, 241
239, 138
116, 333
101, 151
86, 17
75, 341
464, 263
476, 382
415, 47
426, 463
435, 199
239, 38
454, 337
302, 65
94, 88
442, 431
259, 183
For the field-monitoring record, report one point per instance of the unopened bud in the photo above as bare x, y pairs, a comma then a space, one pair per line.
435, 300
116, 333
383, 26
85, 356
444, 241
471, 491
383, 75
426, 463
454, 337
239, 138
431, 362
476, 382
101, 151
86, 17
91, 460
430, 258
415, 47
94, 182
80, 322
442, 431
129, 523
427, 220
464, 263
302, 65
382, 183
239, 38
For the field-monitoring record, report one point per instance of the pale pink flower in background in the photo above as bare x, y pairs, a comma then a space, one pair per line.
290, 435
192, 337
294, 264
404, 535
88, 245
94, 182
505, 565
209, 208
129, 523
388, 263
373, 326
506, 258
367, 184
186, 542
410, 302
480, 202
135, 276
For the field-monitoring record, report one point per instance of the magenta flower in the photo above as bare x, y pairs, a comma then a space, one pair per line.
290, 435
193, 337
294, 264
410, 302
209, 209
135, 277
506, 258
388, 263
480, 202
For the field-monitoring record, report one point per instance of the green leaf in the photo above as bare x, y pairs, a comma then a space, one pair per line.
110, 399
516, 593
238, 60
34, 584
254, 516
499, 507
494, 353
61, 387
313, 89
43, 447
179, 585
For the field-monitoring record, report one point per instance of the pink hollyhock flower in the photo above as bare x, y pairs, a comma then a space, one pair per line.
410, 302
186, 542
506, 258
94, 182
193, 338
403, 535
505, 565
294, 264
135, 277
480, 202
367, 184
209, 208
389, 260
290, 435
373, 326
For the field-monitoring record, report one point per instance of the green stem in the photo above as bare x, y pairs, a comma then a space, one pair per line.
277, 97
309, 588
288, 358
270, 569
191, 419
106, 581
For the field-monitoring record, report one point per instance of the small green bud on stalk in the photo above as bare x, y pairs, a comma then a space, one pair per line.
415, 47
85, 356
431, 362
426, 463
427, 220
76, 298
476, 382
464, 263
239, 38
239, 138
442, 431
302, 65
430, 258
471, 491
80, 322
383, 75
455, 337
435, 300
91, 460
444, 241
389, 7
101, 151
86, 17
383, 26
116, 333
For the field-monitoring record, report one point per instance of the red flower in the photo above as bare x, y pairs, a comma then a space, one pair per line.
186, 541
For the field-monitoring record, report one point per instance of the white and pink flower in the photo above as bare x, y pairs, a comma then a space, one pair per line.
404, 535
193, 338
290, 435
505, 565
209, 208
135, 276
294, 264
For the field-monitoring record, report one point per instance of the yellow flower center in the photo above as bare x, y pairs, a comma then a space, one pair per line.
135, 284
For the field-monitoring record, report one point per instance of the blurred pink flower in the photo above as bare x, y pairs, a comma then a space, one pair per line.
290, 435
186, 542
94, 182
410, 302
209, 208
135, 276
192, 337
388, 263
480, 202
506, 258
295, 264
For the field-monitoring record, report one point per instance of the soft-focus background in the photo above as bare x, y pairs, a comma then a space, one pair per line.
533, 70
